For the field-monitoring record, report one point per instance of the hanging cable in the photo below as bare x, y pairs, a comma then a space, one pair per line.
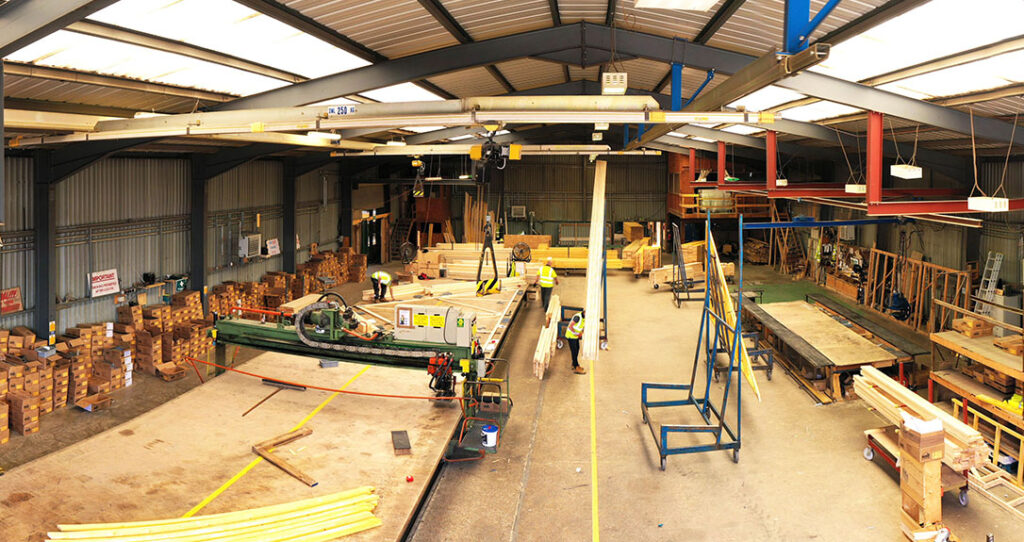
895, 142
913, 157
974, 158
849, 166
1006, 164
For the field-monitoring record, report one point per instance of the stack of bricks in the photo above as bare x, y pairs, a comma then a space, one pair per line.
357, 268
921, 477
24, 412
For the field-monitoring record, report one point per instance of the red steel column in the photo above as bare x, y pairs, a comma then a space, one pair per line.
721, 163
693, 169
874, 162
770, 154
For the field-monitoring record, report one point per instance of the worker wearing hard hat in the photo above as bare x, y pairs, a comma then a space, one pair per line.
547, 278
381, 280
573, 332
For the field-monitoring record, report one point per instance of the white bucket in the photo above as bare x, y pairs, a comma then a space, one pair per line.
490, 435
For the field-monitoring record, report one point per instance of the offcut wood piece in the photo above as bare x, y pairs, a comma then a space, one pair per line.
591, 333
632, 231
972, 327
264, 450
964, 447
535, 241
548, 337
645, 259
629, 250
320, 518
1013, 344
400, 442
728, 312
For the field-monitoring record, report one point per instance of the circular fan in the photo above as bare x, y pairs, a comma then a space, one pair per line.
521, 252
408, 251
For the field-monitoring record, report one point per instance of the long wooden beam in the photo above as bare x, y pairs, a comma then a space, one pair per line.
595, 276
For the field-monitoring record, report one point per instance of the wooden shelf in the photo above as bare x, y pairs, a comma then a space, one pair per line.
981, 350
968, 388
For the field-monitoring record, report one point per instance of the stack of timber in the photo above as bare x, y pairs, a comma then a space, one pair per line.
693, 251
595, 270
632, 231
964, 446
534, 241
474, 215
921, 446
632, 248
972, 327
755, 251
439, 288
664, 275
321, 518
548, 337
645, 259
1013, 344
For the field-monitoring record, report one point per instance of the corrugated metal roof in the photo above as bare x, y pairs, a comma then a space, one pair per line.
574, 11
644, 74
576, 73
393, 28
672, 23
1001, 107
471, 82
527, 73
485, 19
16, 86
756, 27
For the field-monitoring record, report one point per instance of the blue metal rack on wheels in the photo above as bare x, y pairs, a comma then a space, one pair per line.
716, 336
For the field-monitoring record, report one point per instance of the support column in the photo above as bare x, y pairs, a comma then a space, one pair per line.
344, 205
693, 169
288, 248
45, 223
874, 159
770, 149
3, 179
677, 87
197, 227
721, 163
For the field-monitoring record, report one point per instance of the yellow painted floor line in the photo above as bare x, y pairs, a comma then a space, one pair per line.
245, 470
596, 536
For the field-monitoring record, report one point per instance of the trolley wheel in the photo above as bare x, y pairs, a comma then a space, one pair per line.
559, 344
604, 345
662, 462
655, 285
643, 417
869, 453
963, 498
769, 374
735, 455
715, 372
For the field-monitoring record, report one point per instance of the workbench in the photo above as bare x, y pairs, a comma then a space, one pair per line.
815, 346
164, 462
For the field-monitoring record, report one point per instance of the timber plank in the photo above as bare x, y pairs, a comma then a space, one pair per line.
882, 332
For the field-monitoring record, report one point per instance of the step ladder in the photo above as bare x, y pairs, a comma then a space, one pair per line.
399, 235
989, 280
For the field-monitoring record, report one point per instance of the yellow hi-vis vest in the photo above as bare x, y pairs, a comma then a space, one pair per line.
575, 327
547, 277
382, 276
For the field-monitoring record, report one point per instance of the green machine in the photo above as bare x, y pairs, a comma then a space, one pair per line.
440, 339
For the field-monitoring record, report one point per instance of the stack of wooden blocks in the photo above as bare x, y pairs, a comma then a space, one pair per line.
24, 412
357, 268
186, 305
972, 327
921, 476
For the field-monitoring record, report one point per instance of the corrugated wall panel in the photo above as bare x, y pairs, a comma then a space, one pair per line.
255, 184
1004, 239
17, 193
124, 189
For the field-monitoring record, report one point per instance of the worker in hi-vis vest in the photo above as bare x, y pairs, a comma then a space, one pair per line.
381, 280
573, 332
547, 278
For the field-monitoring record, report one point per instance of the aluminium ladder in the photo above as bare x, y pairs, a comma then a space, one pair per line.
989, 280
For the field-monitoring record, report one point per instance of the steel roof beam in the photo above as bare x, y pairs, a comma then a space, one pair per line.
871, 19
22, 23
442, 16
150, 41
556, 15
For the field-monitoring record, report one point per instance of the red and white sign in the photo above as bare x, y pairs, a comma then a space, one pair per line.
104, 283
10, 300
273, 247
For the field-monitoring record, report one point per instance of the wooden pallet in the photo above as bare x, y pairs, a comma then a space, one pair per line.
1013, 344
997, 485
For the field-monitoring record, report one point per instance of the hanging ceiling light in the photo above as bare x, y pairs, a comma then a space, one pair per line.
325, 135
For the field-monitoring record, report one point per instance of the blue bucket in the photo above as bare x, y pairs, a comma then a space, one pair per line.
490, 435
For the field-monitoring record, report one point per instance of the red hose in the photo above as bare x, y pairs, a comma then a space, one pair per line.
335, 390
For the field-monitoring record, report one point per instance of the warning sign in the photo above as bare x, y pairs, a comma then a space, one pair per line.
104, 283
420, 320
10, 300
436, 320
461, 322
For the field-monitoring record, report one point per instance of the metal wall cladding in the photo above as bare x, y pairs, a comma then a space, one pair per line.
317, 224
313, 185
255, 184
17, 193
118, 189
18, 265
251, 272
941, 244
1003, 239
558, 188
990, 177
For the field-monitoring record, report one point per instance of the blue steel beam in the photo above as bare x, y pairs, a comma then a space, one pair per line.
798, 25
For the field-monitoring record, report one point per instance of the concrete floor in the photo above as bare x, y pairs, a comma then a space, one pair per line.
801, 475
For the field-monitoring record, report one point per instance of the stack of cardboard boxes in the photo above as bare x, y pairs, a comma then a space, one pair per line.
5, 432
24, 412
357, 268
921, 448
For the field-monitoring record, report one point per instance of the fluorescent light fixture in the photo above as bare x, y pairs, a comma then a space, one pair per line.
433, 179
905, 171
148, 115
325, 135
396, 142
600, 125
985, 203
614, 83
856, 189
597, 136
781, 182
464, 177
688, 5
